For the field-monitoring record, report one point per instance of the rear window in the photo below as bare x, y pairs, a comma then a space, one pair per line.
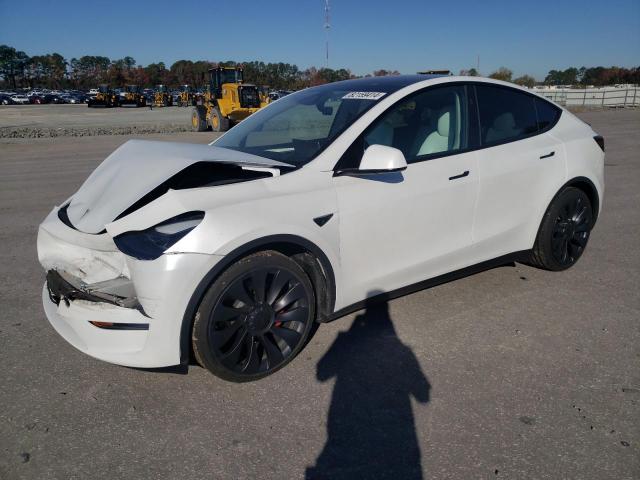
505, 114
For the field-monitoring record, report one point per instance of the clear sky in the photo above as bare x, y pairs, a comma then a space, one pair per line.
408, 35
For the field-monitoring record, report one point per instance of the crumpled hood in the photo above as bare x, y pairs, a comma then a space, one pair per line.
136, 168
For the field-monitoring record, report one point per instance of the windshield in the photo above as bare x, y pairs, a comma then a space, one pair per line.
230, 76
299, 126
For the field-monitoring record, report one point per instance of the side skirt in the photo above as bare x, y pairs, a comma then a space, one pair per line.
432, 282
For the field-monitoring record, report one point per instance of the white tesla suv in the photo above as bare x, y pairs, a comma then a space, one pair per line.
305, 209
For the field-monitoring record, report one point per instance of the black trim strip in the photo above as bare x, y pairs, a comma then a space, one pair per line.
358, 172
432, 282
122, 326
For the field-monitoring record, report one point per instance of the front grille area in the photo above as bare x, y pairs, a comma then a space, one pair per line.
60, 290
249, 97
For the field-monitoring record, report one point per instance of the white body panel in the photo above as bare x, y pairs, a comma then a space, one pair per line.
387, 231
513, 179
388, 244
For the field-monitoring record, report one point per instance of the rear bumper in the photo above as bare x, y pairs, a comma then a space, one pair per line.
145, 300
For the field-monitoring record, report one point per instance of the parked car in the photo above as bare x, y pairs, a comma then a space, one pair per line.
315, 204
6, 99
70, 98
20, 98
52, 98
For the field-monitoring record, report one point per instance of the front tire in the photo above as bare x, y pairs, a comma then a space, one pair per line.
218, 122
199, 119
564, 231
255, 318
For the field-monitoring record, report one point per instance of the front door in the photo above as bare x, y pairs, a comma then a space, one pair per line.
400, 228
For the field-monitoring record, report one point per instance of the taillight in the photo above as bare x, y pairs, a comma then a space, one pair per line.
600, 141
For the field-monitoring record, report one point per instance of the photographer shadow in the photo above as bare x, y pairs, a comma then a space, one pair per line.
370, 427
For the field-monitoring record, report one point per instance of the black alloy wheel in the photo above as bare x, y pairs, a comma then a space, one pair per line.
571, 231
564, 232
255, 318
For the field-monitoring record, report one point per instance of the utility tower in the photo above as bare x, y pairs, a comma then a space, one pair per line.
327, 26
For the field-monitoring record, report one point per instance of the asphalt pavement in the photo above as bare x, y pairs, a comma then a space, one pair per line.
511, 373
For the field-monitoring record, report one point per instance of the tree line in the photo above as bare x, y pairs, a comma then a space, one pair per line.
17, 69
575, 77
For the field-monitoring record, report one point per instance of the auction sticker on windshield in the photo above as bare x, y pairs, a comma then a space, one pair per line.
364, 96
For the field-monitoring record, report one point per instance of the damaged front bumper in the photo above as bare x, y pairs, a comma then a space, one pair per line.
113, 307
66, 288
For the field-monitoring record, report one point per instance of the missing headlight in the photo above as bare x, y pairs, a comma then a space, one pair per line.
149, 244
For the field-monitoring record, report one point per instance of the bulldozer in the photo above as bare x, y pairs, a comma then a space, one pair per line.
162, 97
187, 96
133, 96
226, 101
105, 98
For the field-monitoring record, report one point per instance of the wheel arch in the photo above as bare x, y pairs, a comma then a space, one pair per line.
307, 254
590, 190
581, 183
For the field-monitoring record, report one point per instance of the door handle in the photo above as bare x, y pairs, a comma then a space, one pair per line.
461, 175
548, 155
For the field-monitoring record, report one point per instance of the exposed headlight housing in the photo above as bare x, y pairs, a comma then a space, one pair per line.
149, 244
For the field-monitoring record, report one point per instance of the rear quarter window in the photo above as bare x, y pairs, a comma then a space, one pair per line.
547, 113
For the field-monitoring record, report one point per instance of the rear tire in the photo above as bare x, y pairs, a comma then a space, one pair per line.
255, 318
564, 231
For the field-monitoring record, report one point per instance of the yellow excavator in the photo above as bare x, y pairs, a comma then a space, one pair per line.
226, 101
162, 97
133, 96
105, 97
187, 96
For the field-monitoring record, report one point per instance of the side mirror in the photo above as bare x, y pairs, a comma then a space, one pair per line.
382, 159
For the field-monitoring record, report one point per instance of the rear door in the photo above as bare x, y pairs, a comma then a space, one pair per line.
520, 166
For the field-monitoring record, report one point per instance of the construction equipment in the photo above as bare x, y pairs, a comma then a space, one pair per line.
187, 96
105, 98
133, 96
162, 97
226, 101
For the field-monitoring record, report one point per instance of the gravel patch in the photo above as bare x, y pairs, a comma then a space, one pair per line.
39, 132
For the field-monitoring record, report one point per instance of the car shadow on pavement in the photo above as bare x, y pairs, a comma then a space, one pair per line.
370, 428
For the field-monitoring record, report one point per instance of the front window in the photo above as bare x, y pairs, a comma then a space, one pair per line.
296, 128
424, 125
430, 122
230, 76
